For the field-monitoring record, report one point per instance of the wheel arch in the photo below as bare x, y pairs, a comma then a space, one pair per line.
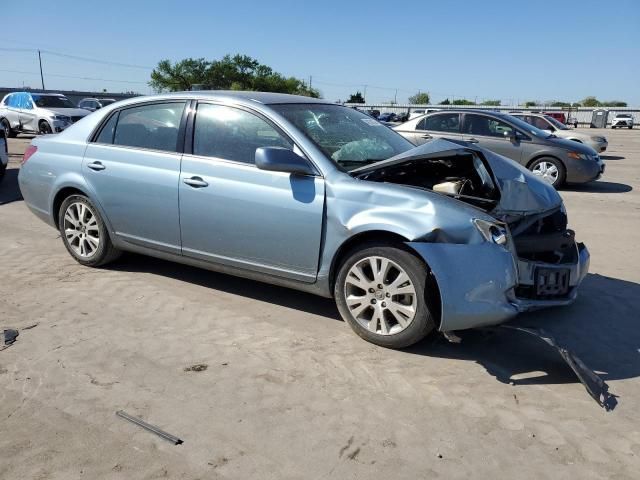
60, 197
543, 155
372, 237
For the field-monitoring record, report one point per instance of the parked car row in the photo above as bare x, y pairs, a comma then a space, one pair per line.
556, 160
43, 113
323, 198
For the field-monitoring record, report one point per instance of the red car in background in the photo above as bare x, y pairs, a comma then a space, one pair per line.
560, 116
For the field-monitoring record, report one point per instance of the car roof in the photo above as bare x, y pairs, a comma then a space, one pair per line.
44, 94
265, 98
470, 110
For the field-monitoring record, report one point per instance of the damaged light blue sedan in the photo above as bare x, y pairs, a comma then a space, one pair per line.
310, 195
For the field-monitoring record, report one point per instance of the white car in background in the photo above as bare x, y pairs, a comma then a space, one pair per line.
545, 122
621, 120
418, 112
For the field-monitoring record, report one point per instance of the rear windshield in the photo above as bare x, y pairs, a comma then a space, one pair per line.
623, 115
52, 101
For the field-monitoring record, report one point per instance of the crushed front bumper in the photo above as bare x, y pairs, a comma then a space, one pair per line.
479, 284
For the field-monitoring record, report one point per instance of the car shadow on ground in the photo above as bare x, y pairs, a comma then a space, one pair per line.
601, 328
264, 292
9, 189
611, 157
599, 187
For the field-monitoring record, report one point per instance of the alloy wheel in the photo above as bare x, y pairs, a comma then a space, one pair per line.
547, 170
81, 229
380, 295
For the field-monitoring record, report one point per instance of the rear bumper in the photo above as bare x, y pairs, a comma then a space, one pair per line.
478, 283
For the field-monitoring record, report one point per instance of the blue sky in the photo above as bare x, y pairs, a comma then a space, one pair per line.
511, 50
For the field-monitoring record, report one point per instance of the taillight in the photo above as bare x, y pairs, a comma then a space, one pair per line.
31, 149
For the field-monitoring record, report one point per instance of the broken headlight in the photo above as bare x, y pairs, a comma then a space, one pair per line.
492, 232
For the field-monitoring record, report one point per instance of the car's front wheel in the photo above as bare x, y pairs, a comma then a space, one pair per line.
549, 169
381, 293
44, 128
84, 233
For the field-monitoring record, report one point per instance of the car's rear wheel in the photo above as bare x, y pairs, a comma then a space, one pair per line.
380, 292
84, 233
44, 128
8, 133
549, 169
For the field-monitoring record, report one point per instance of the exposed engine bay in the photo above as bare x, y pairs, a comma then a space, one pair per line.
459, 174
538, 238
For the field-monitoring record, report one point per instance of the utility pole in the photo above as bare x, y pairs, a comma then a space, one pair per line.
310, 78
41, 76
365, 94
395, 97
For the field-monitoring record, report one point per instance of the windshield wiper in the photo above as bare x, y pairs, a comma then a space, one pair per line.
359, 163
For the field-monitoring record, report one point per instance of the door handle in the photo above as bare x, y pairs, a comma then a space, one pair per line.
426, 135
195, 182
96, 166
472, 140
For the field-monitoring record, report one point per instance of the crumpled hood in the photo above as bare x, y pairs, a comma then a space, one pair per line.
70, 112
521, 192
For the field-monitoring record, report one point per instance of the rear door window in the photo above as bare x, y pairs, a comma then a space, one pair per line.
233, 134
153, 126
108, 129
443, 122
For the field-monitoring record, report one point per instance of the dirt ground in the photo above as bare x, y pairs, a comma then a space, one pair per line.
289, 392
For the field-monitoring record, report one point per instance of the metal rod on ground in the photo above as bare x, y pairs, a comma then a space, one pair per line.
149, 427
41, 76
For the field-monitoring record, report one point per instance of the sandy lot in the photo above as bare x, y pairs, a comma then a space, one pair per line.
289, 392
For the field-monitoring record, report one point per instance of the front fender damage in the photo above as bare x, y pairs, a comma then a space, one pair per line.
474, 282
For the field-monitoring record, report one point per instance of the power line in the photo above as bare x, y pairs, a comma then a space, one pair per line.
77, 57
73, 76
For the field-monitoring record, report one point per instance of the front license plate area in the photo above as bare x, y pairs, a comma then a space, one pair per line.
552, 282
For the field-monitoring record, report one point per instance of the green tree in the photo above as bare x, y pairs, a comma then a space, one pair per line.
530, 103
445, 102
491, 103
420, 98
557, 103
356, 98
590, 102
614, 103
463, 101
239, 72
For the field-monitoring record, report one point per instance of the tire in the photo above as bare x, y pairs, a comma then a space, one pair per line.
76, 224
7, 129
394, 326
557, 178
630, 127
44, 128
3, 169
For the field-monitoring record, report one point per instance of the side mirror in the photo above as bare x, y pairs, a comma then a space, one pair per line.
512, 135
278, 159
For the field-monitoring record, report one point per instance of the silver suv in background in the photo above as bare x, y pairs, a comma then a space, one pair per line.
545, 122
26, 112
553, 159
621, 120
93, 104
